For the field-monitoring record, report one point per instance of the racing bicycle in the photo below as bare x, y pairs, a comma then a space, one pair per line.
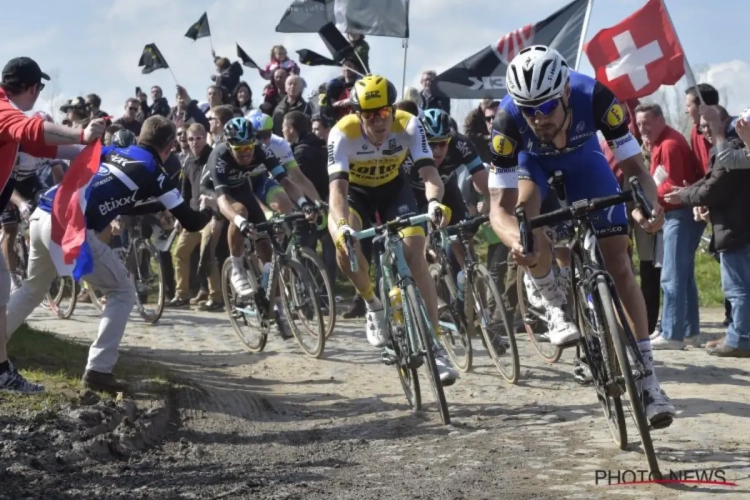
252, 318
411, 336
480, 304
610, 348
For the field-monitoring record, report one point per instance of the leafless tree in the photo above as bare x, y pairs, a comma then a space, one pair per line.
460, 108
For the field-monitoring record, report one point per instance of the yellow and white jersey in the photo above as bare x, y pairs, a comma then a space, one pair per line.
351, 156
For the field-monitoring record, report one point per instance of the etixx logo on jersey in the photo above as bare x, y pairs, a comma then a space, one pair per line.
103, 170
615, 115
502, 145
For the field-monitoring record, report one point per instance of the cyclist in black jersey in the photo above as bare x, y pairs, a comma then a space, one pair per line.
231, 165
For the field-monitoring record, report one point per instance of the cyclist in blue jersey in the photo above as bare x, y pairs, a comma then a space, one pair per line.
130, 180
547, 122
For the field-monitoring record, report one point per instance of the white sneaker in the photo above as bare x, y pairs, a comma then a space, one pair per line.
663, 343
448, 374
375, 328
659, 411
532, 292
694, 341
656, 334
241, 284
561, 329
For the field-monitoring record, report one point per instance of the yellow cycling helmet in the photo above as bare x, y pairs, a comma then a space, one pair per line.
372, 92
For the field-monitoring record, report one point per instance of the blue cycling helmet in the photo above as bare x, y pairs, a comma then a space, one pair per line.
239, 130
437, 125
261, 122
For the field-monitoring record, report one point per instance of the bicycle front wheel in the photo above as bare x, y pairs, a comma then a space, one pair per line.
626, 374
455, 334
418, 316
322, 283
148, 279
492, 316
533, 322
247, 319
302, 308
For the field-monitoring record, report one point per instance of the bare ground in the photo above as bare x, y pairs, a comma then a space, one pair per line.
278, 425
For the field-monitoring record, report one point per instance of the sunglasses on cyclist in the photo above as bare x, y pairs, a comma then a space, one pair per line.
545, 108
242, 147
383, 113
440, 143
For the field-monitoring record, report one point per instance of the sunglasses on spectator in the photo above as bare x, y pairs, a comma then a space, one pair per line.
489, 119
242, 147
545, 108
41, 86
264, 134
383, 113
440, 143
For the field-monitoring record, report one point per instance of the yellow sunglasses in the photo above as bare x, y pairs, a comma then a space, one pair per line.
243, 147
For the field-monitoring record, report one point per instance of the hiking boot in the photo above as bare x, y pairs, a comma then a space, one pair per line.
102, 382
178, 302
212, 306
358, 309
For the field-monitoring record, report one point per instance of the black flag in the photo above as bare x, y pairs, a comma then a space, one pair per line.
246, 61
199, 29
339, 46
365, 17
483, 74
151, 59
310, 58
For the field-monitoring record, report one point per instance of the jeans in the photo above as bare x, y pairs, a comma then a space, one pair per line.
682, 234
109, 276
735, 281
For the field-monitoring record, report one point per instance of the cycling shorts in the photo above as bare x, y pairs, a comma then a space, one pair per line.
245, 196
586, 174
264, 188
391, 200
452, 198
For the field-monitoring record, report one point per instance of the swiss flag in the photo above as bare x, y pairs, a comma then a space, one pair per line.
637, 56
68, 247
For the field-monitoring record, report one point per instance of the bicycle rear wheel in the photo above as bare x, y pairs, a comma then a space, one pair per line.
322, 283
626, 374
147, 276
96, 297
499, 338
418, 314
62, 297
243, 314
301, 304
533, 322
454, 335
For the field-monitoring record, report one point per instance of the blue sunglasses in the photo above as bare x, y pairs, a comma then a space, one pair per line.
545, 108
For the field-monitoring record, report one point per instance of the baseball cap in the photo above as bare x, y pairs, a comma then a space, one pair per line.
75, 103
23, 71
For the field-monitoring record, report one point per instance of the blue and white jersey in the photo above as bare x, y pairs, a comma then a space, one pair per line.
126, 178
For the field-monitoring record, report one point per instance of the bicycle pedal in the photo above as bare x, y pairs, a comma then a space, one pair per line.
389, 357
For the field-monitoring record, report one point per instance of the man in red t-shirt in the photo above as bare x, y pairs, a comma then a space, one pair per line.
673, 164
700, 145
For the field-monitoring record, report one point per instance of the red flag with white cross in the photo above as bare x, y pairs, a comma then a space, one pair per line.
638, 55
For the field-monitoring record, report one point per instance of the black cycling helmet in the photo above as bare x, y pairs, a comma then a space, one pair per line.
123, 138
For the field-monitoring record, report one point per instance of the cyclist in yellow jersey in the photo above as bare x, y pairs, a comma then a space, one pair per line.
365, 151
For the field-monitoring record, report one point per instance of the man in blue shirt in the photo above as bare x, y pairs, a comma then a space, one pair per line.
132, 181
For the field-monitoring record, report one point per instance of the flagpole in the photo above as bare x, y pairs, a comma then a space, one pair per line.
689, 75
586, 19
173, 77
405, 45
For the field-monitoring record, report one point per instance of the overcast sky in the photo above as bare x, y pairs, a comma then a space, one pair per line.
94, 45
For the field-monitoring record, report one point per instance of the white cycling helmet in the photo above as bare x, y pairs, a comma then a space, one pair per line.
537, 74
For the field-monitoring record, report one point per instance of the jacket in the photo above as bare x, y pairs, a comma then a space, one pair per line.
282, 108
273, 65
17, 128
475, 128
229, 79
312, 157
726, 193
159, 107
191, 178
436, 100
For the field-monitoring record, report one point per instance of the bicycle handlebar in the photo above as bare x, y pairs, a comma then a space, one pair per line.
580, 210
